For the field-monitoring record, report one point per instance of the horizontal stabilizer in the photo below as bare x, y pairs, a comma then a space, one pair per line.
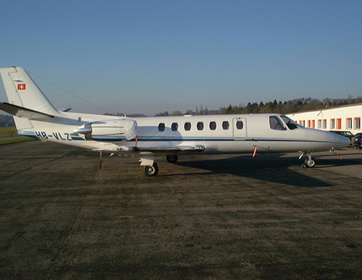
22, 112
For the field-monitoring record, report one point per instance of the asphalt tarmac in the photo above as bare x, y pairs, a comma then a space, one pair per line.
206, 217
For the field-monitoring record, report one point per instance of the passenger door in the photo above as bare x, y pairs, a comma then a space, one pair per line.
239, 128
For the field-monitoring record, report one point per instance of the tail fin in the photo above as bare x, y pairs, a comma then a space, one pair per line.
23, 92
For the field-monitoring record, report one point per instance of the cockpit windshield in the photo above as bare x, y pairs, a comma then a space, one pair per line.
289, 122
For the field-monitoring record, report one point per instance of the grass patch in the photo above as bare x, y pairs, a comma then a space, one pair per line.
9, 135
8, 131
11, 141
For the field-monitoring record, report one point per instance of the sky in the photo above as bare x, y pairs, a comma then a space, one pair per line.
147, 57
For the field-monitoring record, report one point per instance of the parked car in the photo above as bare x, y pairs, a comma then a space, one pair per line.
348, 134
358, 141
358, 134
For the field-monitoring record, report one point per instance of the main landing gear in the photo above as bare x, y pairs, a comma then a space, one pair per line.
172, 158
309, 161
151, 170
151, 167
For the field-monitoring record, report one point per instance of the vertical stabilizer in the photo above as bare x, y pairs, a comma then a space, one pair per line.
22, 91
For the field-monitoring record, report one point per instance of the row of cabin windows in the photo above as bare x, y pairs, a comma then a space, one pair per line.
200, 126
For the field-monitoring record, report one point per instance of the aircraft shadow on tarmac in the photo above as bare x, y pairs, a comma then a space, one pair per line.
267, 168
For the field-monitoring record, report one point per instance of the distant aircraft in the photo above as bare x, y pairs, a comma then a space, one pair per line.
149, 137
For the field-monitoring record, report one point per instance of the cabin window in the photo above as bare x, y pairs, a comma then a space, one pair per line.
174, 126
161, 127
239, 125
225, 125
187, 126
276, 123
200, 126
212, 125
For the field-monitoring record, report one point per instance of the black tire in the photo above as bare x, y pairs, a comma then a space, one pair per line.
172, 158
309, 162
151, 170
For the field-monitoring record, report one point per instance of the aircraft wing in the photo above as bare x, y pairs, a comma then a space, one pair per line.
196, 148
23, 112
154, 149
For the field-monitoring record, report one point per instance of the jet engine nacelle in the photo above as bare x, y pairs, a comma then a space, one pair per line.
118, 127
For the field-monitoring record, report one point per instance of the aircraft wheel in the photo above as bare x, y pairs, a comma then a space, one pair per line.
151, 170
309, 162
172, 158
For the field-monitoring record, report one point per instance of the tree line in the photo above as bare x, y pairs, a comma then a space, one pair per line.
286, 107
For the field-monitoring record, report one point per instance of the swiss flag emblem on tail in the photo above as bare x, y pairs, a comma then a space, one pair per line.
21, 86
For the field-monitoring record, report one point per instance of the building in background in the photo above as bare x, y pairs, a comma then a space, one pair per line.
345, 118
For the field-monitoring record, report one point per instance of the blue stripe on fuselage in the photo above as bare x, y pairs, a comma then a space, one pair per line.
185, 139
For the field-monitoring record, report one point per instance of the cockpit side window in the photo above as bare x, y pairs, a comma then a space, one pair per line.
276, 123
289, 122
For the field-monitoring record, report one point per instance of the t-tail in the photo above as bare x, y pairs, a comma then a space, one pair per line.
26, 100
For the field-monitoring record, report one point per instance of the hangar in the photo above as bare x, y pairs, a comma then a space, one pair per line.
344, 118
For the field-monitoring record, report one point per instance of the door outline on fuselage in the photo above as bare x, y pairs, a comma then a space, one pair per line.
239, 134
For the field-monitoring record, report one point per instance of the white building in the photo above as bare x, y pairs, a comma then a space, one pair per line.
345, 118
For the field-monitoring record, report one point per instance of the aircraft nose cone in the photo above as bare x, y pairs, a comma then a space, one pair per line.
340, 141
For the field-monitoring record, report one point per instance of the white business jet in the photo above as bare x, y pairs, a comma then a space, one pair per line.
149, 137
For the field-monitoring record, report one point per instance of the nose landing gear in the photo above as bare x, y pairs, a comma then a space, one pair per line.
309, 161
